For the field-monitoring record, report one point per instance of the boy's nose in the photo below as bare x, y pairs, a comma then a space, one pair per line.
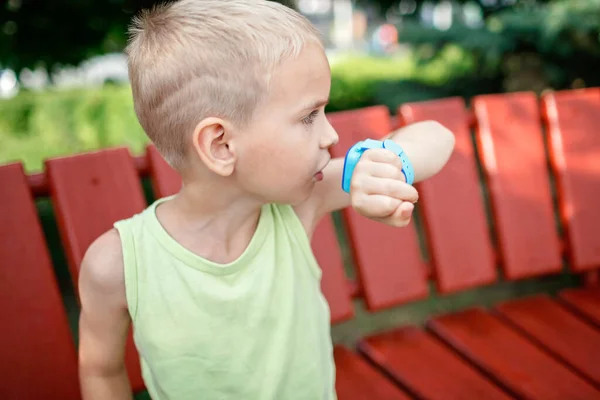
329, 137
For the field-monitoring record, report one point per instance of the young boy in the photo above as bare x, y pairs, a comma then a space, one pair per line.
219, 281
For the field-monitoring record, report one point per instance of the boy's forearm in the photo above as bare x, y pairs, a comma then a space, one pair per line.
100, 387
428, 145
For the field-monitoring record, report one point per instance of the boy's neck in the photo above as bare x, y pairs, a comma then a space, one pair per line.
213, 221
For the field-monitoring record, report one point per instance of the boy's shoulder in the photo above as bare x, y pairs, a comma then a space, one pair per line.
101, 271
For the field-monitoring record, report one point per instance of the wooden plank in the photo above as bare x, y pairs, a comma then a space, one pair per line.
573, 118
514, 161
333, 282
90, 192
557, 330
388, 260
586, 302
357, 380
452, 206
38, 359
165, 180
508, 356
427, 368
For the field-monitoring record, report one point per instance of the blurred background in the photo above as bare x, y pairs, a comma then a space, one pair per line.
64, 85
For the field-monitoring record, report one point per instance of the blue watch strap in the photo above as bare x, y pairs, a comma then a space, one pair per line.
353, 156
407, 168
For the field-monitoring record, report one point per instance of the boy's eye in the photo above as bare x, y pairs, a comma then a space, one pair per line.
310, 118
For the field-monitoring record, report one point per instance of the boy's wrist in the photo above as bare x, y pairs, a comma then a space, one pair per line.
355, 153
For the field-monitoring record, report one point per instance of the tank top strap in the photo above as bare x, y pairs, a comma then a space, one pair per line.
130, 269
128, 231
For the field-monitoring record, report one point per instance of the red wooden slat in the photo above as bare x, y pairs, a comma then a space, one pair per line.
369, 122
333, 282
573, 121
584, 301
388, 260
559, 331
38, 184
514, 361
426, 367
453, 210
90, 193
357, 380
514, 161
165, 180
38, 359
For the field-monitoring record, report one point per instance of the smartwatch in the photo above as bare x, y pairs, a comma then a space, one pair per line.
353, 156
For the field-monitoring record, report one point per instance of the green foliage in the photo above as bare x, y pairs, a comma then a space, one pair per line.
527, 47
65, 32
36, 126
360, 81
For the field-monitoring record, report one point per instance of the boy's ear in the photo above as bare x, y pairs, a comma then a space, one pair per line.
211, 142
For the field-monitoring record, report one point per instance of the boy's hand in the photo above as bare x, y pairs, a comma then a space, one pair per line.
379, 191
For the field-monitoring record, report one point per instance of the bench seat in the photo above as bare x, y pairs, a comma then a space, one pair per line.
585, 302
426, 367
562, 333
356, 379
511, 358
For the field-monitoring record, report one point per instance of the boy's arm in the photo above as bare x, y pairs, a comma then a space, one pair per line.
103, 322
378, 188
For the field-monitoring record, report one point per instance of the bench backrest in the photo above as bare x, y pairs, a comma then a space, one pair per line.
520, 233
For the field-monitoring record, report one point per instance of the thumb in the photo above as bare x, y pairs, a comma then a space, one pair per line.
405, 209
401, 216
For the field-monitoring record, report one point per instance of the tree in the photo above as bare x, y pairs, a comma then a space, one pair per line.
556, 45
65, 32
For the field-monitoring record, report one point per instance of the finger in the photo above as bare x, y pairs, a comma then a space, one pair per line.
376, 205
383, 156
401, 217
405, 210
390, 187
381, 170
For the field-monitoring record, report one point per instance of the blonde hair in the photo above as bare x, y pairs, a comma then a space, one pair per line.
197, 58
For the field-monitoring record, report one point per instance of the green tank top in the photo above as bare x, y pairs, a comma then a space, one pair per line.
255, 329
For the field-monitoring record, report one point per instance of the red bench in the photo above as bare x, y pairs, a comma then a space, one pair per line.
509, 228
